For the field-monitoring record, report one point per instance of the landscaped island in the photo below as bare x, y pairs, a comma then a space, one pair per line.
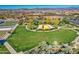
23, 40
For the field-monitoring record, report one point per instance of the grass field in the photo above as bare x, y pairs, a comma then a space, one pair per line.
3, 50
23, 40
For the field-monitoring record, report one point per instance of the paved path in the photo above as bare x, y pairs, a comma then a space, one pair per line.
9, 47
14, 27
76, 39
5, 29
6, 36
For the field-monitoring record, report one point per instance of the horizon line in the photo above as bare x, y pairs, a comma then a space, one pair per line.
37, 6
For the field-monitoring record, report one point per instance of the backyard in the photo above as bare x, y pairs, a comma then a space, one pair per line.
22, 39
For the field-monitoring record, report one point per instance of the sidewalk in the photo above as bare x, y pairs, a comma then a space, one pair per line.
8, 46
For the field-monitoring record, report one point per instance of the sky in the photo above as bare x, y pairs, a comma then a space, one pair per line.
36, 6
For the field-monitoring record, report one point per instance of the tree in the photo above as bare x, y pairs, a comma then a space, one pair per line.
2, 17
56, 22
36, 21
31, 23
48, 20
65, 20
20, 22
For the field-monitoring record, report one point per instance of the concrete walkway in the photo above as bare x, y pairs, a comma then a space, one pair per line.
14, 27
6, 36
5, 29
9, 47
76, 39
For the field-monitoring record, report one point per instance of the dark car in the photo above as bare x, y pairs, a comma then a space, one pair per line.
2, 41
1, 21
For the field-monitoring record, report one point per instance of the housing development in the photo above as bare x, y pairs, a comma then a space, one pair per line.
39, 30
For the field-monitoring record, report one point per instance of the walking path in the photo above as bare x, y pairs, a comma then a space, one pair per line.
40, 31
10, 48
7, 45
14, 27
5, 29
77, 38
6, 36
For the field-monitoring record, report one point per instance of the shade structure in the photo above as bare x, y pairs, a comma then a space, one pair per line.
45, 27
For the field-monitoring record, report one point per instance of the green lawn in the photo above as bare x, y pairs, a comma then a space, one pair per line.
3, 50
23, 40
